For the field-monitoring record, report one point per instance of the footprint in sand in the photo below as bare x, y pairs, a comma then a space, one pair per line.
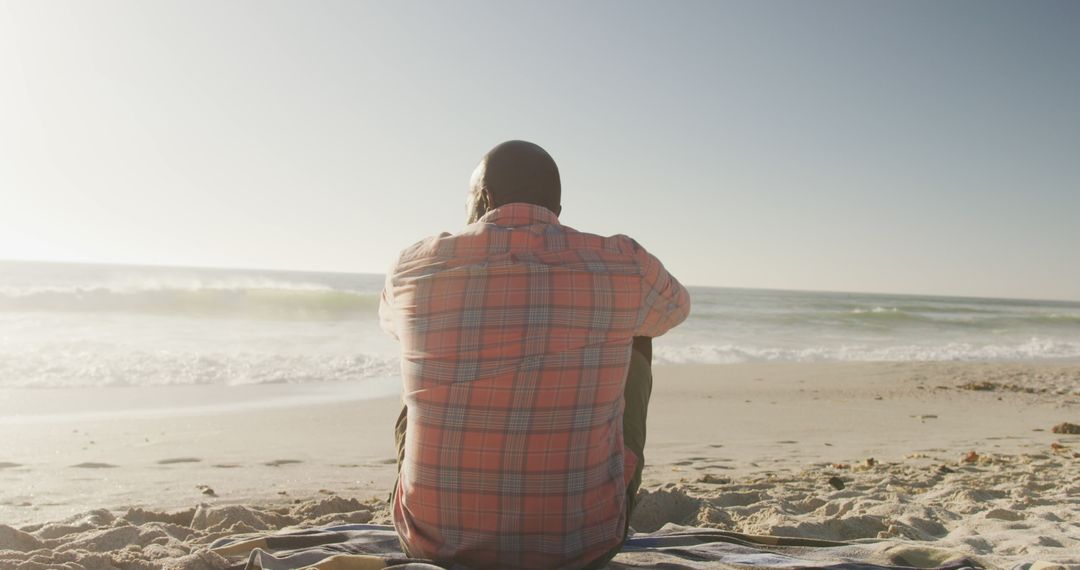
280, 462
8, 464
94, 465
225, 465
787, 442
179, 460
714, 464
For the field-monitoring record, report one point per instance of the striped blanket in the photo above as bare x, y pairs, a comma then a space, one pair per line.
372, 547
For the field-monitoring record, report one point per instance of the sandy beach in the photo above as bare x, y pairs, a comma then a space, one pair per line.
958, 456
233, 233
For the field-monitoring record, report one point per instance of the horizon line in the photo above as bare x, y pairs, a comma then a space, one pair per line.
340, 272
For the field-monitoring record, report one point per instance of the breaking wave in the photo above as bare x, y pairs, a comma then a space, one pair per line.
244, 298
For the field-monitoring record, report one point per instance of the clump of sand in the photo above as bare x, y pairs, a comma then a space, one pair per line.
1001, 509
1052, 382
142, 539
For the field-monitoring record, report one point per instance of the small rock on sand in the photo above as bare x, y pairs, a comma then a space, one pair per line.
1066, 427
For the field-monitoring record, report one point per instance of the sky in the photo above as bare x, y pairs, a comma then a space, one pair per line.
903, 147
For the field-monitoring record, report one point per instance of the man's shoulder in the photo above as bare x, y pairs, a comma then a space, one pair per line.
423, 248
473, 242
444, 246
617, 243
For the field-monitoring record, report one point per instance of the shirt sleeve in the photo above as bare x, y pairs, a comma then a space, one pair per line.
665, 302
386, 307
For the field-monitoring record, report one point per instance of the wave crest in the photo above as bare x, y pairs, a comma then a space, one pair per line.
252, 300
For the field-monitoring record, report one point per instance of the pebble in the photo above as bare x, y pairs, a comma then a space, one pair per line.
1066, 427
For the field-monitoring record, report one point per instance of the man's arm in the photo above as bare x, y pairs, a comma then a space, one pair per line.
665, 302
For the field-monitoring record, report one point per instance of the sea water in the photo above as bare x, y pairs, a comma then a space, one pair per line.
70, 325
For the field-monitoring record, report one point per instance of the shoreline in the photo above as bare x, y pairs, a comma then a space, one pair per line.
19, 405
29, 405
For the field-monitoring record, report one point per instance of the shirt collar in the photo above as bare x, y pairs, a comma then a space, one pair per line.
519, 214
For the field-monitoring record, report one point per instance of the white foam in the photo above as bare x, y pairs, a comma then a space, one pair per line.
1032, 349
138, 284
84, 368
860, 311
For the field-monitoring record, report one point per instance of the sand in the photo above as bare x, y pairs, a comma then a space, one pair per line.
958, 456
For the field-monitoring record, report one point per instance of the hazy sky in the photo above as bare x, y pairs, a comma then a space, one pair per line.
918, 147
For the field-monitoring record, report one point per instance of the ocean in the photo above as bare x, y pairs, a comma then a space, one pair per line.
74, 325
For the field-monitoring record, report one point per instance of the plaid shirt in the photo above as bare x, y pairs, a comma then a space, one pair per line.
516, 336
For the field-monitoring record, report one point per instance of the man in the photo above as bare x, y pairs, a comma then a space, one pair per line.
521, 442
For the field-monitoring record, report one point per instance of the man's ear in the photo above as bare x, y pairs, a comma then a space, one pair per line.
489, 200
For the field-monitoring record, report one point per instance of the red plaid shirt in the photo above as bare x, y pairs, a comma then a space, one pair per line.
515, 337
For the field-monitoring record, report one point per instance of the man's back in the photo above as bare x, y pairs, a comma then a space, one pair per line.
516, 336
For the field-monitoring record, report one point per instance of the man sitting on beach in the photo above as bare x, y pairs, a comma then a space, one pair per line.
526, 359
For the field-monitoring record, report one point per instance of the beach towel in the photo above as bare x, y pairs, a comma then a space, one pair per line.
372, 547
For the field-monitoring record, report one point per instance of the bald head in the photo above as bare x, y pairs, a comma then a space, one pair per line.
515, 171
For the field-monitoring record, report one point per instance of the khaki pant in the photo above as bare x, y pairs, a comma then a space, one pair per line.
637, 392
